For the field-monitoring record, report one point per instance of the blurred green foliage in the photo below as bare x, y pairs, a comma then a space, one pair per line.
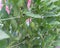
43, 31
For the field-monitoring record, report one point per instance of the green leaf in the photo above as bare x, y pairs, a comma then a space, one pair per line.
34, 15
20, 3
49, 39
55, 23
3, 35
14, 24
50, 47
3, 43
57, 43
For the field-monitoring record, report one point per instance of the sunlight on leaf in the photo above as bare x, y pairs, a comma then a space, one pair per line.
3, 35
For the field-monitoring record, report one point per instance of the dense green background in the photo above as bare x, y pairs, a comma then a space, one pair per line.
43, 31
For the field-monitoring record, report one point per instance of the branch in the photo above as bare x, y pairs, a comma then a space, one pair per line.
9, 18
